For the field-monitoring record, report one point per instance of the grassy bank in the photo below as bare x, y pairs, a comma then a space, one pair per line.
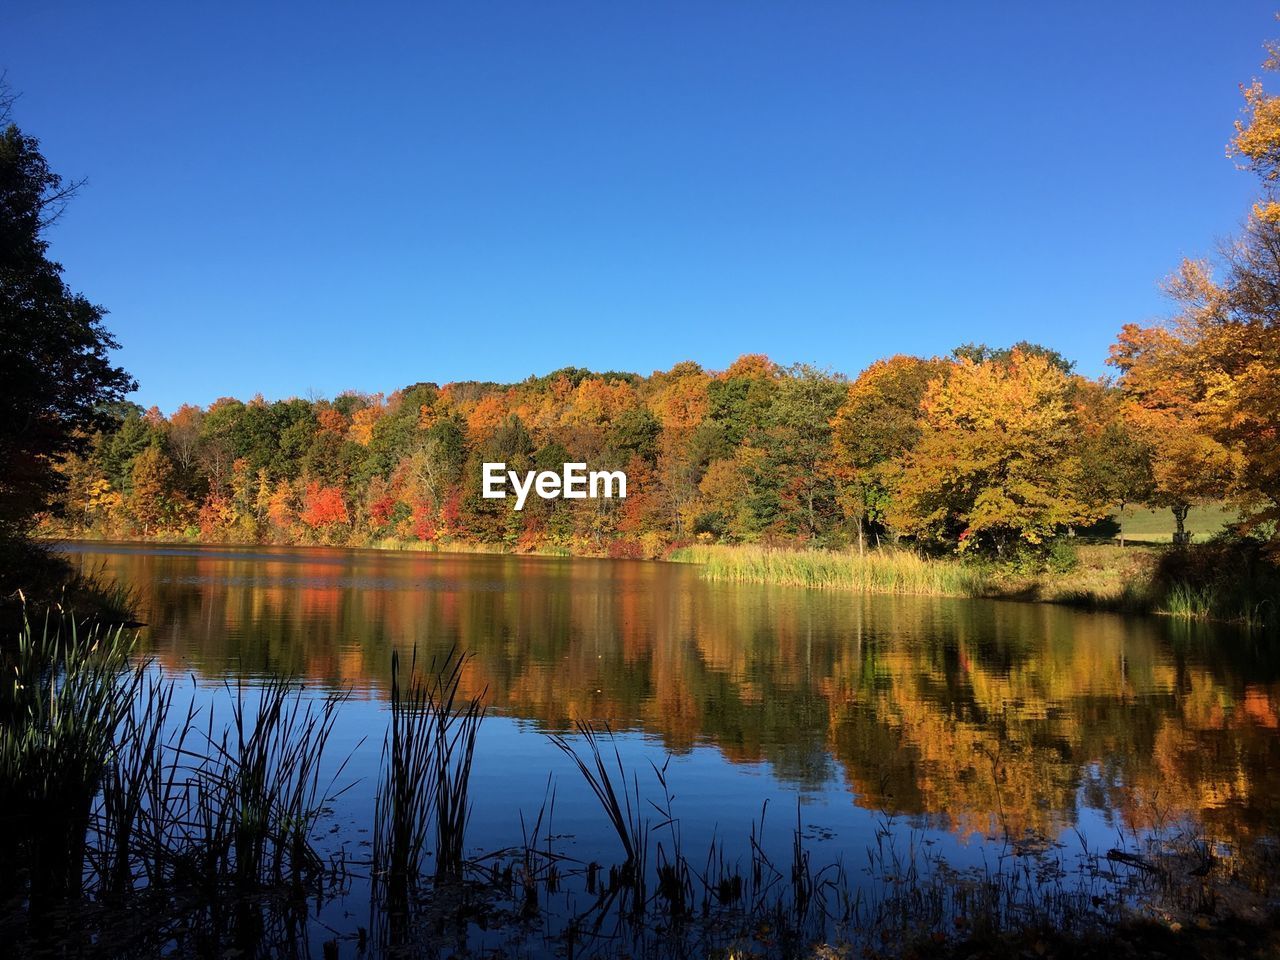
877, 571
1227, 581
398, 545
1102, 575
35, 581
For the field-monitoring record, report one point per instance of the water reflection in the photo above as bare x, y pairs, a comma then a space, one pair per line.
969, 716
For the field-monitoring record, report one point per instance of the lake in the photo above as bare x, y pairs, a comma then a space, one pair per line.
959, 723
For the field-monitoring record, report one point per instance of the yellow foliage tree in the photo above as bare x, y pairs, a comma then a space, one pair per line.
996, 464
154, 501
364, 420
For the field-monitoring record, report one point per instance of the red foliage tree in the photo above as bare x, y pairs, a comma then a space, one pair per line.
380, 511
451, 515
424, 520
323, 506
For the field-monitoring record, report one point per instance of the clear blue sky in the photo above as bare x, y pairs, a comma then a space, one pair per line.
314, 197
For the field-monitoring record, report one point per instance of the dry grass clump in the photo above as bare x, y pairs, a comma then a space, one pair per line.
877, 571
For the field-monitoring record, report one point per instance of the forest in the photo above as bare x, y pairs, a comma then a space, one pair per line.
991, 451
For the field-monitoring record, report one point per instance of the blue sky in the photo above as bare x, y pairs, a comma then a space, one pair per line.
302, 199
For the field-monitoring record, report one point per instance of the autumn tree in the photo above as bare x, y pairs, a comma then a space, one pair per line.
1164, 401
365, 412
876, 425
680, 405
331, 420
485, 418
1116, 455
184, 438
323, 506
981, 353
154, 501
997, 462
726, 494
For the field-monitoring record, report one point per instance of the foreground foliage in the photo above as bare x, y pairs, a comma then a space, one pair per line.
112, 800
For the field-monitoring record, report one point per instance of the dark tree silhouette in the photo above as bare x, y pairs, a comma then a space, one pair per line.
56, 376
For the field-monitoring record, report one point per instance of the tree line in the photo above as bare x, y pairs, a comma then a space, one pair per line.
990, 450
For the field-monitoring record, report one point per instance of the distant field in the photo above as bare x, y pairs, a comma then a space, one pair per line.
1156, 526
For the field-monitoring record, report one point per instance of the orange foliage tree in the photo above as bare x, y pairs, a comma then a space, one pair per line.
323, 506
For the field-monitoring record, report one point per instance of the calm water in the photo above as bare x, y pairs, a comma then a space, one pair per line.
963, 719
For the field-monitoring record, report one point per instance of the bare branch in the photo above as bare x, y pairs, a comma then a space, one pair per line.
7, 98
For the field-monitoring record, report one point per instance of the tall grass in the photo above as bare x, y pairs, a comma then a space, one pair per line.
263, 780
64, 695
1187, 601
456, 724
111, 798
134, 809
426, 761
877, 571
186, 807
1230, 579
615, 797
405, 801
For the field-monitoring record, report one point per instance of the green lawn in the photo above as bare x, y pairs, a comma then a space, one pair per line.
1156, 526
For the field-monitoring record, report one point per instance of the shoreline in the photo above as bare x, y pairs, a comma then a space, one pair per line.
1096, 577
